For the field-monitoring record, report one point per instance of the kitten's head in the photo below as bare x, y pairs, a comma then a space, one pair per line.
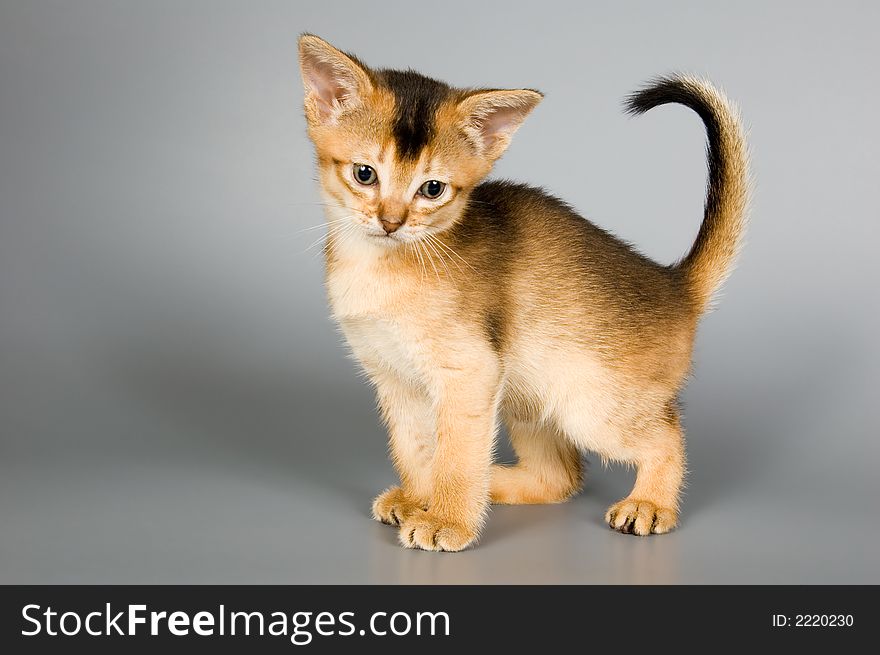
398, 153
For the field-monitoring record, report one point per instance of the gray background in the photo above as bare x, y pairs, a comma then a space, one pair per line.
175, 405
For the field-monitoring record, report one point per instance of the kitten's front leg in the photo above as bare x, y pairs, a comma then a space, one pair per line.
409, 416
460, 467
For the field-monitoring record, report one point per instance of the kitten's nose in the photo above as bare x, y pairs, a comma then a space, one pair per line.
390, 225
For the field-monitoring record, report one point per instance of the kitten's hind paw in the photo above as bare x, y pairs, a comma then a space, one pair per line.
393, 507
641, 517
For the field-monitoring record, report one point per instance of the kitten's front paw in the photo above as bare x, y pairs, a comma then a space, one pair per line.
641, 517
393, 507
429, 532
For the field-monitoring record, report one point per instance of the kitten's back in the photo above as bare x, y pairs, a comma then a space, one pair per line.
565, 266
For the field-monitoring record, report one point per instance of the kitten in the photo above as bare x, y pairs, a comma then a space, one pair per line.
468, 302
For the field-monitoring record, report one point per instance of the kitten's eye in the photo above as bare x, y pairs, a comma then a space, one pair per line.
365, 174
432, 189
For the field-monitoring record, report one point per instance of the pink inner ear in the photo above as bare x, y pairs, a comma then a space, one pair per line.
502, 120
325, 83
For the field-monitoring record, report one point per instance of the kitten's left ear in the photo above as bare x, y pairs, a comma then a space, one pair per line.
490, 118
334, 81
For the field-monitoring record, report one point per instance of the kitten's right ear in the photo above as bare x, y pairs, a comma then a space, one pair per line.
334, 81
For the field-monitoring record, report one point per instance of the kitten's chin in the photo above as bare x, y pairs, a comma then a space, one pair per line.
380, 241
374, 242
384, 240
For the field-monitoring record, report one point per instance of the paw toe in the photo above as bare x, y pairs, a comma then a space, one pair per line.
641, 517
391, 507
430, 533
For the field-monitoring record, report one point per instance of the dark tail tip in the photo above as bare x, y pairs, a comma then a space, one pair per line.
691, 93
663, 91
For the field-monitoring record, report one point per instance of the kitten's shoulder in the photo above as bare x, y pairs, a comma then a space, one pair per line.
503, 209
507, 196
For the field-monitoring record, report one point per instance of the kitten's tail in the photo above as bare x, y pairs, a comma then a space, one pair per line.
713, 254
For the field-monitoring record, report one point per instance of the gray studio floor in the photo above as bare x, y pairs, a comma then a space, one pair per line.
191, 470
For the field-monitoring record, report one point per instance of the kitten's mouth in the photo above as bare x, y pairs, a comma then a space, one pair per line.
385, 237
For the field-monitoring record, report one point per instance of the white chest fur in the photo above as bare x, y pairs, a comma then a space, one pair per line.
375, 310
381, 344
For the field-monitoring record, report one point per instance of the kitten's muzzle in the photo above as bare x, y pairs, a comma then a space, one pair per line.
390, 225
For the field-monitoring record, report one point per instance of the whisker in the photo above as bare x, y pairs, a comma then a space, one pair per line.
442, 247
314, 243
411, 249
424, 269
342, 235
451, 250
325, 224
428, 241
431, 259
331, 231
316, 203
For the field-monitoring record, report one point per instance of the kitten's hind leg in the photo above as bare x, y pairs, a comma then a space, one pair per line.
549, 468
652, 506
